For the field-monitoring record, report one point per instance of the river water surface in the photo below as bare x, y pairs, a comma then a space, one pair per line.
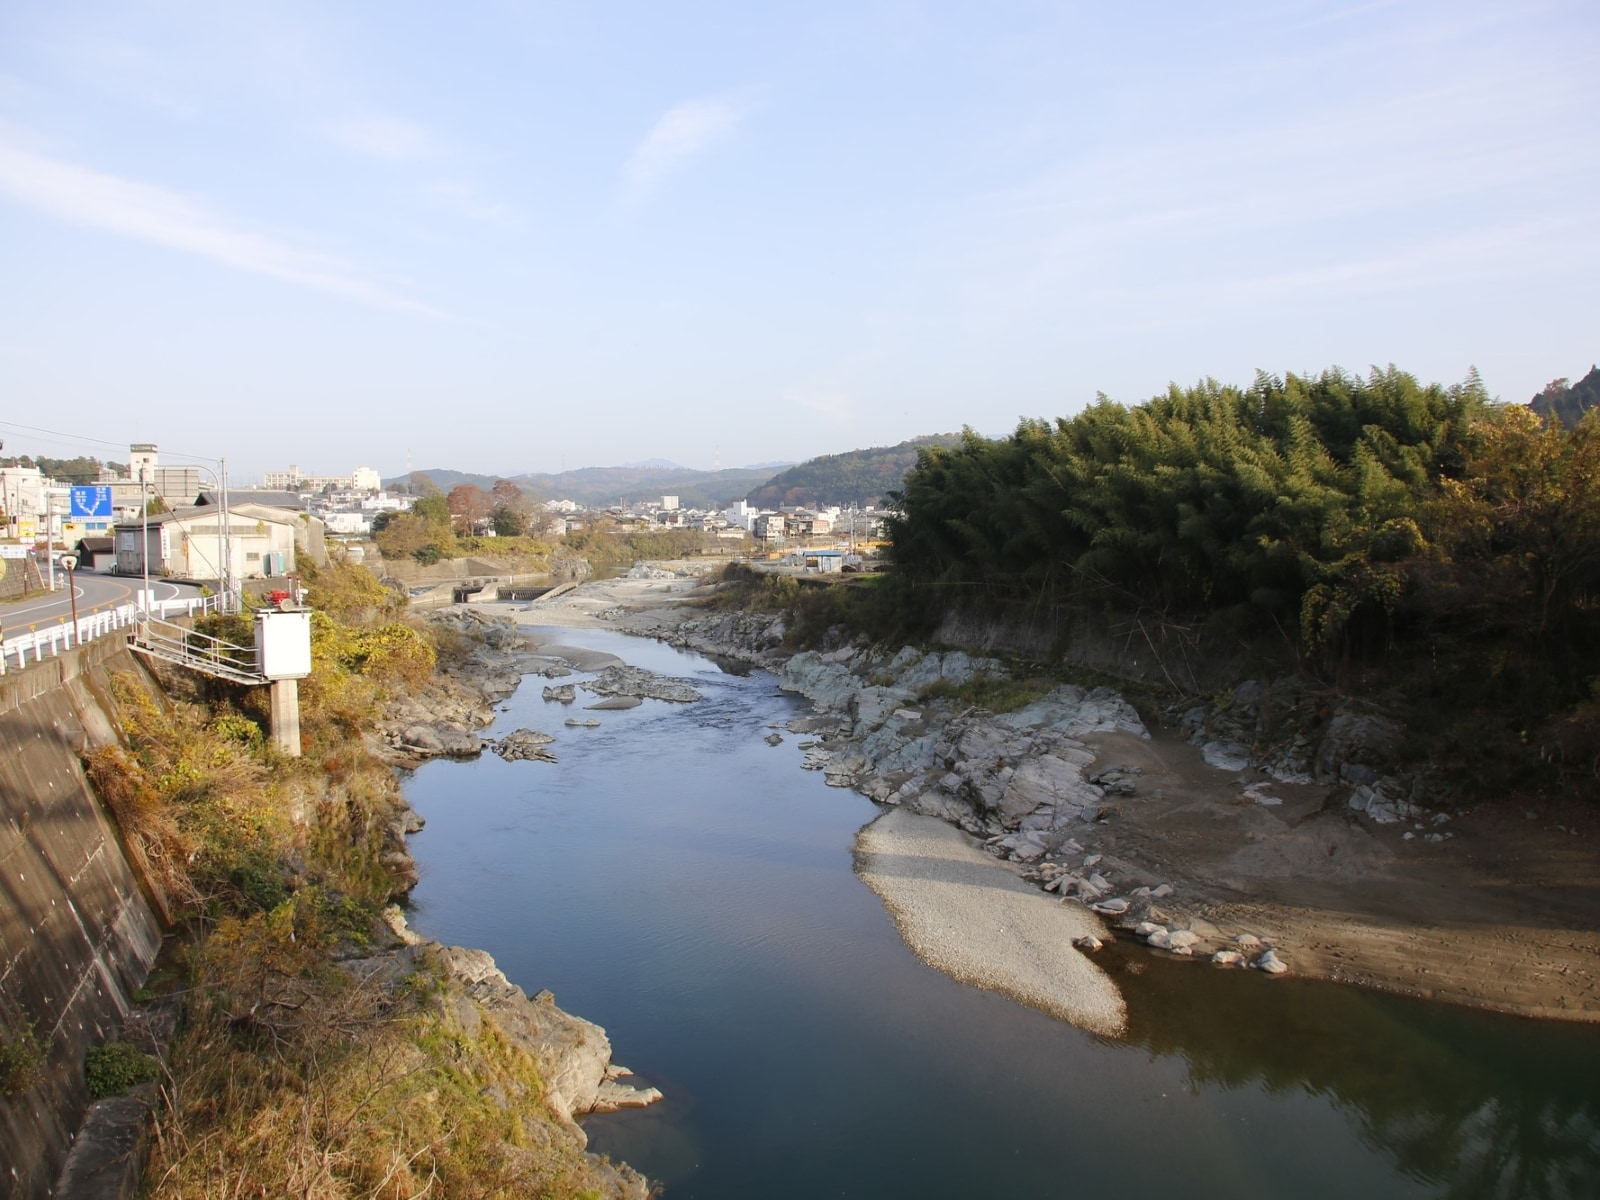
687, 886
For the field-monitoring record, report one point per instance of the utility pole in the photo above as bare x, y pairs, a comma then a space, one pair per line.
144, 551
49, 534
227, 539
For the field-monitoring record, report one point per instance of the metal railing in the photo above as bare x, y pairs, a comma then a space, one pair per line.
197, 651
40, 640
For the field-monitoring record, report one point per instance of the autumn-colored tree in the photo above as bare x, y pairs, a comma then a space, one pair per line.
512, 511
1523, 521
469, 506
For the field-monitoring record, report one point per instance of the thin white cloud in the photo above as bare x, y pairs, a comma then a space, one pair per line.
681, 133
152, 214
387, 139
467, 201
831, 407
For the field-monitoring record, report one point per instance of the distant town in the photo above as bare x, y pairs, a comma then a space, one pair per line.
185, 521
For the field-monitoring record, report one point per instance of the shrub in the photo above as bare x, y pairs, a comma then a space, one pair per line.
22, 1056
1001, 695
117, 1067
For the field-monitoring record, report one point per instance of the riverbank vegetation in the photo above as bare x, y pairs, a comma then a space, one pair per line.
1406, 537
1415, 542
313, 1057
469, 520
605, 542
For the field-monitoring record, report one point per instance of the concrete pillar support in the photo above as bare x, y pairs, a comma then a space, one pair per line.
286, 716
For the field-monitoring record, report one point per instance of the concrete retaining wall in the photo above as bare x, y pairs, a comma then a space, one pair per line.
77, 934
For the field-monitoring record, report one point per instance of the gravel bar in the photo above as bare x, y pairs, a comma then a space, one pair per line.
968, 916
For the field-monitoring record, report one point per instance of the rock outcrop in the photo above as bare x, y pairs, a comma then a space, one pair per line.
524, 745
895, 729
642, 684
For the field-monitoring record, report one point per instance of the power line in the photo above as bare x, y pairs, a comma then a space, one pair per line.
80, 438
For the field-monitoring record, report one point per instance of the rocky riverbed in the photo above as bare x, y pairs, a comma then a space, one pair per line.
1265, 826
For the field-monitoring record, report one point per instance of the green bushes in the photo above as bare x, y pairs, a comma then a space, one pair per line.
998, 695
879, 607
22, 1055
1296, 495
117, 1067
1373, 521
606, 543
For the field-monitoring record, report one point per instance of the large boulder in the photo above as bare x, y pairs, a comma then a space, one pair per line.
574, 1055
829, 685
1357, 736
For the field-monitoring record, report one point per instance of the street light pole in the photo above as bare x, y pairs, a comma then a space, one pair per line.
70, 561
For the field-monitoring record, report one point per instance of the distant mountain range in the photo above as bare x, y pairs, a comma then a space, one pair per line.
859, 477
1568, 402
600, 487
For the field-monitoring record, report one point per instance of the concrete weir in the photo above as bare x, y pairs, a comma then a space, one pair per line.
77, 933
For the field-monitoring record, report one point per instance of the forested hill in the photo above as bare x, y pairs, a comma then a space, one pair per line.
859, 477
1568, 403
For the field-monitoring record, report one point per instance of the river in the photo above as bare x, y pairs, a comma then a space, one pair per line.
686, 885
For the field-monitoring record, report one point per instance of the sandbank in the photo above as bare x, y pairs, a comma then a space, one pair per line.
965, 914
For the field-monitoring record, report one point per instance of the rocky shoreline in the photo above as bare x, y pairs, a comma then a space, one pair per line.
1237, 832
444, 719
1267, 827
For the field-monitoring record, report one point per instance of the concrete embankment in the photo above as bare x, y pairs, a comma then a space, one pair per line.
77, 934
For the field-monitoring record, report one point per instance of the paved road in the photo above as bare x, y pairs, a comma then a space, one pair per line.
94, 592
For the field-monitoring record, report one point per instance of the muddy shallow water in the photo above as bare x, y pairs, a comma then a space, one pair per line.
687, 886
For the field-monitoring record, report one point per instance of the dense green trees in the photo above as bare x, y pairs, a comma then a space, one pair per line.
1457, 539
82, 469
1293, 494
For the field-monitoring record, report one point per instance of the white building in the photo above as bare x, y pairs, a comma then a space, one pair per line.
196, 543
176, 485
383, 502
741, 514
348, 524
22, 496
362, 479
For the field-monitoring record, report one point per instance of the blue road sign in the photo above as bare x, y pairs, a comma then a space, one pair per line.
91, 501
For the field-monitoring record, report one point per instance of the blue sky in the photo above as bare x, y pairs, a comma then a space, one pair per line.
505, 237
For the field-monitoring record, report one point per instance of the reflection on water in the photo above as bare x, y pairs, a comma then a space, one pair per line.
687, 886
1486, 1106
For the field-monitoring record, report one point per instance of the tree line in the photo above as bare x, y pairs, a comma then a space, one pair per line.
1360, 515
439, 526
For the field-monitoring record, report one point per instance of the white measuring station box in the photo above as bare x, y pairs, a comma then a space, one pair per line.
283, 643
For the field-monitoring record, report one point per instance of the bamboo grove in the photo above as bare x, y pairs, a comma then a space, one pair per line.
1357, 515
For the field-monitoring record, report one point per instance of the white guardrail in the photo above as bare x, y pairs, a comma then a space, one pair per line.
19, 649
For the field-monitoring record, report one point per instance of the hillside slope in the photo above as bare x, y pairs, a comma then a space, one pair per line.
1569, 403
860, 477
